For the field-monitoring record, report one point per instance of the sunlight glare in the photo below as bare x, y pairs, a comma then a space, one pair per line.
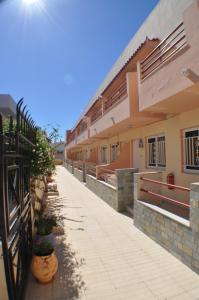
29, 2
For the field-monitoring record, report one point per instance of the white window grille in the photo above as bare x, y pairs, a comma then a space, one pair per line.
191, 149
156, 151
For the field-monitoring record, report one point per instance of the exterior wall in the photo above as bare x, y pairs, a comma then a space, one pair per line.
178, 236
105, 191
172, 128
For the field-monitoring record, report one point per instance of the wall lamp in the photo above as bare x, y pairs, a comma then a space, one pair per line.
141, 143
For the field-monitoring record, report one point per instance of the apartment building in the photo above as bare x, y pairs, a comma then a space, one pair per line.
145, 114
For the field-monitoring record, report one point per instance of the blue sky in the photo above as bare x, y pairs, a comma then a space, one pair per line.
56, 53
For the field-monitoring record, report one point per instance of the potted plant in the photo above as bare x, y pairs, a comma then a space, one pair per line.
44, 225
44, 263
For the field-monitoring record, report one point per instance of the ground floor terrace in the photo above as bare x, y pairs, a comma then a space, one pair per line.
170, 146
102, 255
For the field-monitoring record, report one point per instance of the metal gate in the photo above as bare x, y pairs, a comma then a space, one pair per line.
17, 139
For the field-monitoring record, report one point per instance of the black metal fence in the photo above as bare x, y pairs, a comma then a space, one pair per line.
17, 139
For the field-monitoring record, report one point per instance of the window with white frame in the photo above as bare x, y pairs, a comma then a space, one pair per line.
114, 152
156, 151
104, 154
191, 149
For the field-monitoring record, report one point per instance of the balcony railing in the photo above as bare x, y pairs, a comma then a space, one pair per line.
175, 41
81, 128
162, 197
116, 97
96, 115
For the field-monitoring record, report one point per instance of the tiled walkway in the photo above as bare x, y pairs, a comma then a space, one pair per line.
103, 256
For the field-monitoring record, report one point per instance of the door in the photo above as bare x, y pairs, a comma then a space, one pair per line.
135, 154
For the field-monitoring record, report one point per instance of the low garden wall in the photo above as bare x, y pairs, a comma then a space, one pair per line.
105, 191
178, 235
117, 197
79, 174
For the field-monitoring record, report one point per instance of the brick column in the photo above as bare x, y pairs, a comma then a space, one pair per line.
194, 207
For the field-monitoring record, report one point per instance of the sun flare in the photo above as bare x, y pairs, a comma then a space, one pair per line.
29, 2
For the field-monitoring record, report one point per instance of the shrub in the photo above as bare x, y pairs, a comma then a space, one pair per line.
43, 249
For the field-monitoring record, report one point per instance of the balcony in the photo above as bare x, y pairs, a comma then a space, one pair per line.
82, 136
114, 109
116, 97
96, 115
169, 75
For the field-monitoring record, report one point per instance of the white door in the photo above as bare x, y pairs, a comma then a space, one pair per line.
136, 154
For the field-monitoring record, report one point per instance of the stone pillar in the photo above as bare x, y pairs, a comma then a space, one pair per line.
125, 187
194, 207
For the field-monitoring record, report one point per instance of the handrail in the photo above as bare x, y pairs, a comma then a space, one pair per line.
166, 184
107, 170
162, 61
116, 96
163, 41
162, 52
165, 47
165, 198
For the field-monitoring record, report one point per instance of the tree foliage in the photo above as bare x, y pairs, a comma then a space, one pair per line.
42, 162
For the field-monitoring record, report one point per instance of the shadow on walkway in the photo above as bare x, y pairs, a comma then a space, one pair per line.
67, 283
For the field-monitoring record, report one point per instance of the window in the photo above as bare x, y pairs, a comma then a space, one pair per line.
156, 151
104, 153
114, 152
191, 149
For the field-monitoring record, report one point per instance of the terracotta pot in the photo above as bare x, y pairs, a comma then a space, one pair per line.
49, 179
44, 267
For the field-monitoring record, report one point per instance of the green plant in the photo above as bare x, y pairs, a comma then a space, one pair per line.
9, 125
45, 225
43, 249
42, 161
